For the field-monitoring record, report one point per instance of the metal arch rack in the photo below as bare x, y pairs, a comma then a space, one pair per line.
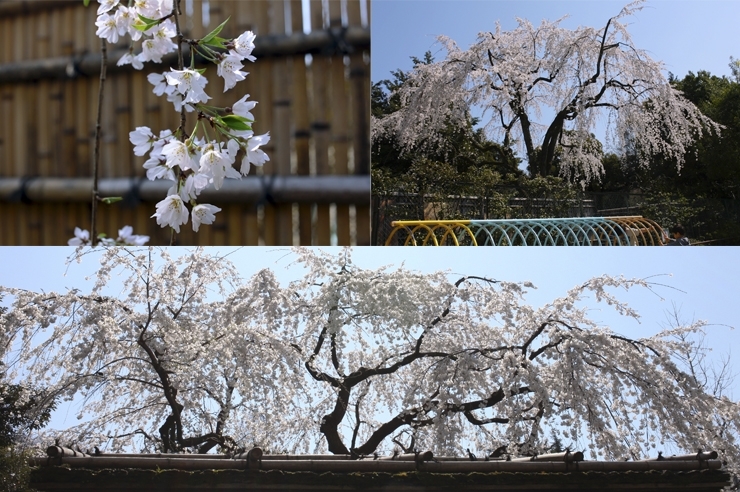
573, 231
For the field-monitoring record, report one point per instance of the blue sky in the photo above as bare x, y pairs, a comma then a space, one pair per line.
703, 282
687, 35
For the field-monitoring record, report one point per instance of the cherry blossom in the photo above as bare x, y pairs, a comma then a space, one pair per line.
125, 19
179, 156
171, 212
189, 83
107, 28
243, 107
129, 59
217, 163
161, 355
142, 138
203, 213
228, 68
159, 81
244, 45
106, 5
81, 238
157, 168
255, 155
194, 184
127, 237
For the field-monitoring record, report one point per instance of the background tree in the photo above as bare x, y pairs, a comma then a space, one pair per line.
22, 409
161, 366
703, 195
577, 76
434, 362
463, 149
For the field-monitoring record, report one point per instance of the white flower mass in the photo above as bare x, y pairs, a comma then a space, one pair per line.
579, 76
347, 358
191, 163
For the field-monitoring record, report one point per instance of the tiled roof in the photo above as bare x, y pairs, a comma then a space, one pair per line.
65, 469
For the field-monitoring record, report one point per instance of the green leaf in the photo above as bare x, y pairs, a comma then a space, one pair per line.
236, 122
143, 24
217, 42
211, 35
86, 2
111, 199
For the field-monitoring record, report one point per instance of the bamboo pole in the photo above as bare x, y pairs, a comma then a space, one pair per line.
60, 451
88, 64
282, 189
193, 462
566, 456
26, 7
700, 456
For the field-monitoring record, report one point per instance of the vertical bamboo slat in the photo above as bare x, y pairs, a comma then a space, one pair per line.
301, 129
280, 130
320, 124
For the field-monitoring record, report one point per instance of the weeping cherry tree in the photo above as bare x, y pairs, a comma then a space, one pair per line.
429, 361
545, 88
361, 361
184, 355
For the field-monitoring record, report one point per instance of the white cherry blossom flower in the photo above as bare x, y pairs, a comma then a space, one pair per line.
82, 237
163, 8
129, 59
217, 164
107, 28
127, 236
194, 184
163, 35
228, 68
147, 8
156, 168
255, 155
244, 45
177, 101
189, 83
178, 154
142, 138
106, 5
159, 81
203, 213
243, 107
154, 48
172, 212
125, 19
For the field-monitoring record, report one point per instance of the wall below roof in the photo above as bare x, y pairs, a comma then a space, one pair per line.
60, 478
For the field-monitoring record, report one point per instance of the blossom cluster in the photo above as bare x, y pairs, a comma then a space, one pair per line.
190, 161
126, 237
116, 20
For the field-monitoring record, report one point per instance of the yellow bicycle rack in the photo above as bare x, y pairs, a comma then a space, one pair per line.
578, 231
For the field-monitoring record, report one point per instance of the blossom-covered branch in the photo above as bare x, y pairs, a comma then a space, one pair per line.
222, 136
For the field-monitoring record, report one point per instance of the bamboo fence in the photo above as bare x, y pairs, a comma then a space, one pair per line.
311, 80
